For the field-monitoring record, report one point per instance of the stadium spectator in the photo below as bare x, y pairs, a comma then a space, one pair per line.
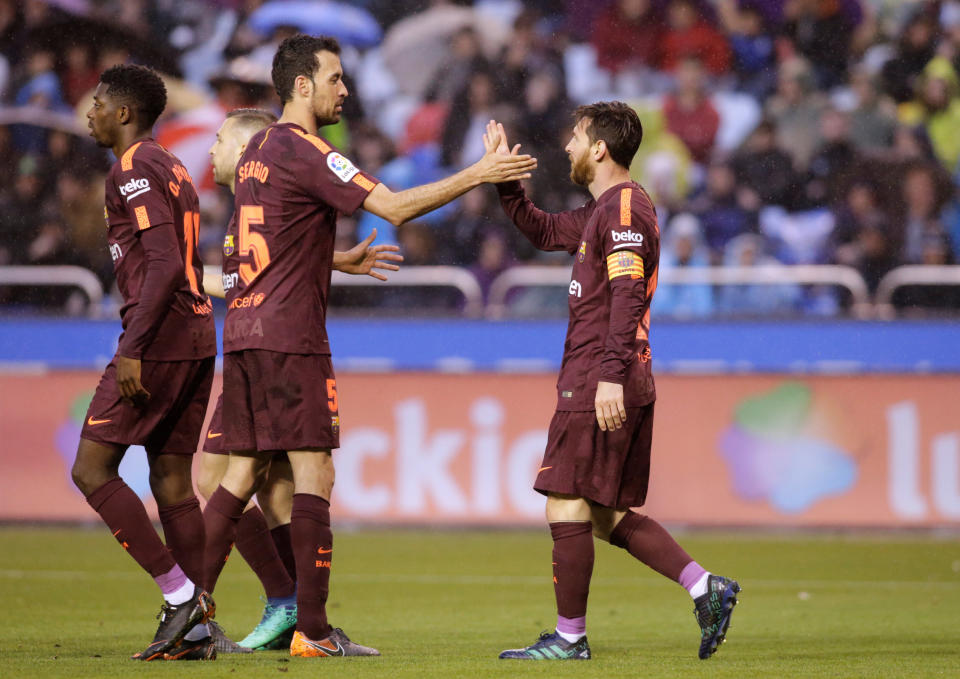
79, 75
917, 46
626, 35
834, 161
937, 109
764, 171
747, 250
469, 113
821, 32
20, 212
688, 35
796, 109
874, 116
689, 113
752, 45
921, 206
719, 208
466, 57
683, 248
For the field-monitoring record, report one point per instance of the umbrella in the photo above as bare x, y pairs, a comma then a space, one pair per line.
416, 46
350, 25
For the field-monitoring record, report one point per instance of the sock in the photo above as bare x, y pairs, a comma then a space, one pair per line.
648, 541
693, 578
125, 515
281, 538
183, 529
176, 586
572, 569
220, 518
256, 546
312, 542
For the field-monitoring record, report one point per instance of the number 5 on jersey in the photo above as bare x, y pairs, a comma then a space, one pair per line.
252, 243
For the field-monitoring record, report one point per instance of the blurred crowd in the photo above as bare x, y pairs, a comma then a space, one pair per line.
776, 131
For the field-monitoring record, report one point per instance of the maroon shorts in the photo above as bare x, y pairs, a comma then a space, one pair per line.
213, 440
169, 422
611, 468
275, 401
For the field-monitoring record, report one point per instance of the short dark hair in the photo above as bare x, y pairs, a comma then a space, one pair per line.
140, 87
617, 125
297, 55
253, 116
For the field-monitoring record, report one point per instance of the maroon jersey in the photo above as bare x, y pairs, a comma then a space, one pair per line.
290, 186
153, 220
616, 241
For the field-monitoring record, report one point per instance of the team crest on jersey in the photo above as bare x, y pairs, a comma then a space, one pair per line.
335, 424
106, 217
341, 167
582, 252
228, 246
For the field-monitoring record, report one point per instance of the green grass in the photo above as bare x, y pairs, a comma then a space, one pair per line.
442, 604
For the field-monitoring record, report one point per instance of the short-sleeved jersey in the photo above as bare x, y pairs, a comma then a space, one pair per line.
615, 241
278, 251
148, 188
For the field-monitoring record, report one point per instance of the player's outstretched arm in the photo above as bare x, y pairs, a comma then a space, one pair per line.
492, 168
363, 259
547, 231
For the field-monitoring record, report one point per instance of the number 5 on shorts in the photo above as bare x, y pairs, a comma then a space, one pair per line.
332, 395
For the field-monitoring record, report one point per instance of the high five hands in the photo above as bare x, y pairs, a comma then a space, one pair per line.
499, 163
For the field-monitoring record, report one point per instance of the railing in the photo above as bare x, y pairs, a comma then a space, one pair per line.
545, 276
55, 276
904, 276
841, 276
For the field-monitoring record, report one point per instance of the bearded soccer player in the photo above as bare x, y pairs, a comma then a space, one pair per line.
597, 461
155, 390
263, 533
280, 392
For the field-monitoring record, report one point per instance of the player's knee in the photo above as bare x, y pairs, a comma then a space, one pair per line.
207, 481
87, 477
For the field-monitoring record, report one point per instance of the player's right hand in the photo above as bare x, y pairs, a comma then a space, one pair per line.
494, 132
498, 165
611, 413
128, 380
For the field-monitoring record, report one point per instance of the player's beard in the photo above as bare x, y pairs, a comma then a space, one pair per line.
581, 171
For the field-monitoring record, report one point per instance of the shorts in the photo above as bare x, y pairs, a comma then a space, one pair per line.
610, 468
213, 441
275, 401
172, 418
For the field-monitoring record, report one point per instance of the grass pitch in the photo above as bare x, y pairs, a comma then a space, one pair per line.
443, 604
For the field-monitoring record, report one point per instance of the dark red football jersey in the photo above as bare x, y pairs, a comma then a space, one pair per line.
290, 186
153, 222
615, 241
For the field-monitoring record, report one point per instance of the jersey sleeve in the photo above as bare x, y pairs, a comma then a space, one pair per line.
142, 187
547, 231
329, 176
627, 248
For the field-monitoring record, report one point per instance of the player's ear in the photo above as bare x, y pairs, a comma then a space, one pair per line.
124, 114
303, 85
600, 150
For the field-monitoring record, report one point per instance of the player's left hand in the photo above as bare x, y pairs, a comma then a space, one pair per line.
611, 414
128, 380
363, 259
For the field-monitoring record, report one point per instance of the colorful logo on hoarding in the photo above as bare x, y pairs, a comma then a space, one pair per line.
133, 470
777, 451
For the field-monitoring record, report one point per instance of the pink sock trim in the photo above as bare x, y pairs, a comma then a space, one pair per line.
690, 574
572, 625
171, 581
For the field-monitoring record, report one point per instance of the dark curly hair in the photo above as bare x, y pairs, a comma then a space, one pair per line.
617, 125
297, 55
140, 87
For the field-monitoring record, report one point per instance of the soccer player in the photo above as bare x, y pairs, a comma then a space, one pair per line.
597, 462
280, 392
263, 533
155, 390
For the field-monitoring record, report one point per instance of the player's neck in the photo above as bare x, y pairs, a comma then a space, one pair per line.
299, 115
606, 177
128, 139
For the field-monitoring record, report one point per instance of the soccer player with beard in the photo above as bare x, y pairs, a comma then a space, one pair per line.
154, 392
279, 391
263, 532
597, 461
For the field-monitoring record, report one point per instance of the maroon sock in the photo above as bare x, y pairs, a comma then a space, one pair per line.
256, 547
281, 538
125, 515
572, 566
313, 547
220, 518
183, 529
648, 541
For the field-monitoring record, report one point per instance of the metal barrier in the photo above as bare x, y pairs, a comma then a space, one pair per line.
426, 276
50, 276
903, 276
842, 276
